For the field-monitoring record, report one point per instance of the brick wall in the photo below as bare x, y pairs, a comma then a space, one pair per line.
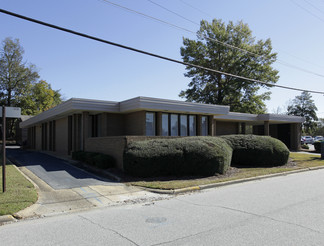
114, 125
135, 123
38, 145
226, 128
61, 136
113, 146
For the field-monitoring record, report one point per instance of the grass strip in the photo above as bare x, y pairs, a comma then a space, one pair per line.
20, 192
297, 161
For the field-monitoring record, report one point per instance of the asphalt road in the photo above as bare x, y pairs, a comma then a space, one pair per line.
57, 173
286, 210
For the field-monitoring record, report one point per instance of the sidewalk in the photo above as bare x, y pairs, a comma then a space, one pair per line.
53, 200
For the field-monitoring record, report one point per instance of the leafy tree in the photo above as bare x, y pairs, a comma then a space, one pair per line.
40, 98
16, 77
19, 85
319, 129
213, 88
304, 105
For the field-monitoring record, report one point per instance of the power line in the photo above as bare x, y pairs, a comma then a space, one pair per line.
308, 11
314, 6
193, 7
148, 53
301, 59
181, 16
208, 38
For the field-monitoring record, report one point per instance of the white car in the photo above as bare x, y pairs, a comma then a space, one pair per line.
308, 140
318, 138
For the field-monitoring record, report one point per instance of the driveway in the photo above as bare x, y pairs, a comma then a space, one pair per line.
57, 173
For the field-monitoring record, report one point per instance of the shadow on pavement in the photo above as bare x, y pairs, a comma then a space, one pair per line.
58, 173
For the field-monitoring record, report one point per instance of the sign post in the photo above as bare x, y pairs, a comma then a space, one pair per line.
3, 148
6, 112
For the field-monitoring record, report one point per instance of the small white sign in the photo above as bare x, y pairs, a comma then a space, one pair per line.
11, 112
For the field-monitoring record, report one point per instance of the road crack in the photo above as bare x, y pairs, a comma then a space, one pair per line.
109, 229
253, 214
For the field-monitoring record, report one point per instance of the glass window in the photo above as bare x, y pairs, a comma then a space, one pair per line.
183, 125
174, 125
192, 125
150, 124
204, 126
165, 125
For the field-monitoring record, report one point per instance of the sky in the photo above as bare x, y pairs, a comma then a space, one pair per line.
84, 68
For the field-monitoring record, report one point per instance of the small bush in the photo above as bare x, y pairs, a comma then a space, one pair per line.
305, 146
94, 159
79, 155
180, 156
252, 150
317, 146
104, 161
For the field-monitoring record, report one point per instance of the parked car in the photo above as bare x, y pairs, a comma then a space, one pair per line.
318, 138
302, 140
308, 140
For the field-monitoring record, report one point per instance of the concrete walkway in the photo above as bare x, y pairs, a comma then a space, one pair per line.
64, 188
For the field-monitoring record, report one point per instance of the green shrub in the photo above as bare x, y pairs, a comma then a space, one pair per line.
94, 159
180, 156
79, 155
89, 158
305, 146
104, 161
252, 150
317, 146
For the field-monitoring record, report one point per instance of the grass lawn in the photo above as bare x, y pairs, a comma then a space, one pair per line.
20, 193
297, 161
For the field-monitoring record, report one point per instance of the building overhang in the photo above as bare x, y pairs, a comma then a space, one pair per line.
72, 106
78, 105
254, 119
156, 104
220, 112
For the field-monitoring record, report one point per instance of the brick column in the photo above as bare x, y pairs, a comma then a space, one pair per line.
266, 128
198, 125
243, 127
211, 126
104, 124
77, 142
85, 128
295, 134
158, 124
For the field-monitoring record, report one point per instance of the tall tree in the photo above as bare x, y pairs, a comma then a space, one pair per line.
40, 98
304, 105
16, 77
208, 51
19, 86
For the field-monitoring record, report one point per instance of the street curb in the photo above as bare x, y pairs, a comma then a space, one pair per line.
238, 181
6, 219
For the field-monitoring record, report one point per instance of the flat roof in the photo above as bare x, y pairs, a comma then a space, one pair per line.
78, 105
220, 112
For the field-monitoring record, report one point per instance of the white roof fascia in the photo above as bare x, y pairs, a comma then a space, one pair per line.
281, 118
95, 105
157, 104
237, 117
259, 119
72, 104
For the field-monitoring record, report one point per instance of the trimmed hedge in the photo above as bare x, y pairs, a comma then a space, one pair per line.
94, 159
317, 146
252, 150
180, 156
203, 156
